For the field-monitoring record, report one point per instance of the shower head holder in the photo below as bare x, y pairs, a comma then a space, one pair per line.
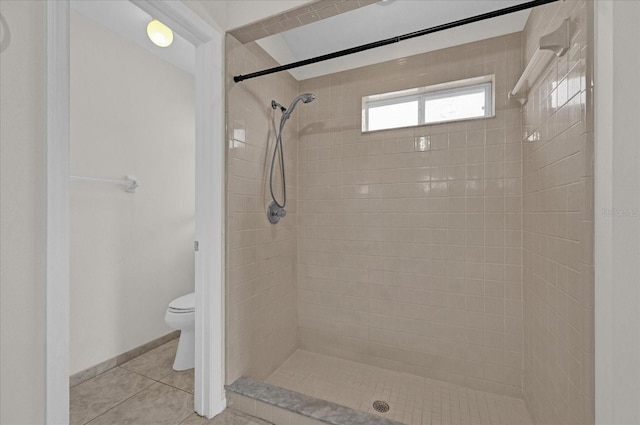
275, 213
276, 105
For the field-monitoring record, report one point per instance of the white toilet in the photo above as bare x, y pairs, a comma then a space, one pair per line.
181, 315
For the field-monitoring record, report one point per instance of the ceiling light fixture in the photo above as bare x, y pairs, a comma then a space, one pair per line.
159, 34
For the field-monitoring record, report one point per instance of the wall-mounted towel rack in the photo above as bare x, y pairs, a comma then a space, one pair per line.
555, 43
130, 183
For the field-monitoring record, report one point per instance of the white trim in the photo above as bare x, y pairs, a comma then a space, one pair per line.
209, 381
210, 180
617, 210
57, 245
603, 226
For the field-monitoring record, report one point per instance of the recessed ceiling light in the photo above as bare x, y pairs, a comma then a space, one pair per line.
159, 34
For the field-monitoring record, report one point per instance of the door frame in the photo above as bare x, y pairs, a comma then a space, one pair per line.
209, 398
616, 208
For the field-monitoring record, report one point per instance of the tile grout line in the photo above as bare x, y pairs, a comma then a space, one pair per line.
155, 381
159, 380
118, 404
451, 399
132, 396
254, 419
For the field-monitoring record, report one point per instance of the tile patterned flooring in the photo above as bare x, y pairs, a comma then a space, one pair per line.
413, 400
145, 390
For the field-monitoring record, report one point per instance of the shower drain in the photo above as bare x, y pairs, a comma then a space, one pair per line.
380, 406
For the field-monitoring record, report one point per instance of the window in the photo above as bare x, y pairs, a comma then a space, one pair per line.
454, 101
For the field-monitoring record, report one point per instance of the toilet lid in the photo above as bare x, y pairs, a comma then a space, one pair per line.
185, 303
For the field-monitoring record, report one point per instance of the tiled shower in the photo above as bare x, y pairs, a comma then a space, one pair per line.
459, 253
410, 240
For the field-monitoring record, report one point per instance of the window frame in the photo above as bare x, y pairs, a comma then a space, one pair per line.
433, 92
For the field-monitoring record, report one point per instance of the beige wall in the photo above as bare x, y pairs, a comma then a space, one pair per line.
244, 12
261, 257
22, 211
558, 225
230, 14
131, 253
411, 260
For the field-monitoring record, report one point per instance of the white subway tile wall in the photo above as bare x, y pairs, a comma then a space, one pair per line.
409, 240
558, 224
262, 324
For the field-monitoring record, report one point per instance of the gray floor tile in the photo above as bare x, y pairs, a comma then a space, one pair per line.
97, 395
155, 364
159, 404
183, 380
228, 417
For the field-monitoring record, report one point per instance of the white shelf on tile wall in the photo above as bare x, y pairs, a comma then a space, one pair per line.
554, 44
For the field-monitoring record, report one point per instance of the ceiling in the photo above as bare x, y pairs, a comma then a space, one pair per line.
374, 22
128, 20
386, 19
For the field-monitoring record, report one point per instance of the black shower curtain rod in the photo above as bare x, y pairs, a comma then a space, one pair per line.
396, 39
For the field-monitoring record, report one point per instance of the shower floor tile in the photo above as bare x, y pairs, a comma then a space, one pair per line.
413, 400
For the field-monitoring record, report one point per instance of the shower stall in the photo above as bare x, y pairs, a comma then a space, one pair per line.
430, 274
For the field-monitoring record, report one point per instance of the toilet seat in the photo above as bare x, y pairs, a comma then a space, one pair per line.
183, 304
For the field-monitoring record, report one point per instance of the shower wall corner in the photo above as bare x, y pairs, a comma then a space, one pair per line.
261, 258
558, 223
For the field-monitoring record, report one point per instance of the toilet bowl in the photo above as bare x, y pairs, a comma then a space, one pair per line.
181, 315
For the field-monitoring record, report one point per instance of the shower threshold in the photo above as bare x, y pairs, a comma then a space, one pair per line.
285, 407
333, 388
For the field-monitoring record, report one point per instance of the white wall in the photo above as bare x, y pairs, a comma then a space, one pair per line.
617, 212
22, 210
131, 254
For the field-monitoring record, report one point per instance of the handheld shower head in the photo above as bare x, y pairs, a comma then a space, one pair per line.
304, 97
276, 209
307, 97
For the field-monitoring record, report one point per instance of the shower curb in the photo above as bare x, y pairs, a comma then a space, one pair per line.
313, 410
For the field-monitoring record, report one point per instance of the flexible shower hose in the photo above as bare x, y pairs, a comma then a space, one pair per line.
278, 148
